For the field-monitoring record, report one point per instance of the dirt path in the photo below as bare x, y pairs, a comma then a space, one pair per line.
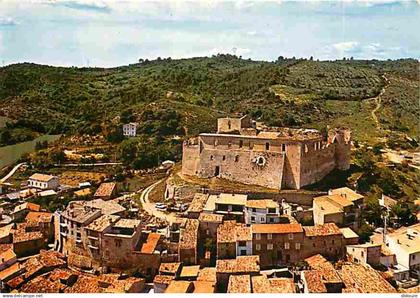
150, 208
378, 102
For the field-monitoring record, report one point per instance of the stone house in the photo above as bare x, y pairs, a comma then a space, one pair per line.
188, 243
277, 244
326, 239
242, 265
262, 211
233, 239
365, 253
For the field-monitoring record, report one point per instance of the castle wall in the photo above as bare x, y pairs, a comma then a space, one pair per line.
316, 163
266, 160
190, 159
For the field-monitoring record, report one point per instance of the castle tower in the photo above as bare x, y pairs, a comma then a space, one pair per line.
341, 139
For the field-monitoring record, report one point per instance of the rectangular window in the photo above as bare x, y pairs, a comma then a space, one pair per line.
241, 143
258, 236
297, 246
269, 236
243, 252
242, 243
262, 219
271, 210
236, 158
269, 246
257, 246
290, 236
267, 146
283, 147
286, 245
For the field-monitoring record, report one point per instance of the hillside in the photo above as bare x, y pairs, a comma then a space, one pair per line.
193, 92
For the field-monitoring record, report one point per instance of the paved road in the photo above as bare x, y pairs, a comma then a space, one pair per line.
10, 174
150, 208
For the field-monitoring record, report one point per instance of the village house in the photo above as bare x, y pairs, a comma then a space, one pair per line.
94, 235
27, 240
365, 253
320, 267
130, 129
44, 221
43, 181
22, 210
180, 287
106, 191
277, 244
242, 265
272, 157
326, 239
350, 237
405, 244
233, 239
335, 208
6, 234
262, 211
360, 278
188, 243
261, 284
231, 206
239, 284
196, 206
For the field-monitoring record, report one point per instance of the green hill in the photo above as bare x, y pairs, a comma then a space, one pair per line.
194, 92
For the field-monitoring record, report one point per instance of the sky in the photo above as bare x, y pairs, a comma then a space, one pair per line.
113, 33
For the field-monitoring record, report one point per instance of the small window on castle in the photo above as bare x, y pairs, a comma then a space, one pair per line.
267, 146
211, 157
229, 125
236, 158
224, 157
229, 144
306, 148
251, 146
315, 146
283, 147
241, 143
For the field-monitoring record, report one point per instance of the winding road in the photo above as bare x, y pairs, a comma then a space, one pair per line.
150, 208
10, 174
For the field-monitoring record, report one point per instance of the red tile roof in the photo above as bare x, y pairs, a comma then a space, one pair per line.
322, 230
276, 228
152, 241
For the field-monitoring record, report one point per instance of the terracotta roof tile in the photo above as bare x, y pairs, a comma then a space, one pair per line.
276, 228
322, 230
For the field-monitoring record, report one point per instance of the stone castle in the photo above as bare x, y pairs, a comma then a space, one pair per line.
279, 158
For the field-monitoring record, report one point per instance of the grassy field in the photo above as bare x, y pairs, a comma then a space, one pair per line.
12, 153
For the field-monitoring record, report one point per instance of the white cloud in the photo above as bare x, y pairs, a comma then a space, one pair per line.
253, 33
7, 21
343, 47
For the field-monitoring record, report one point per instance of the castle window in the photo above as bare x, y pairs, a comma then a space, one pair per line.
241, 143
267, 146
306, 148
251, 146
229, 144
283, 147
229, 124
236, 158
224, 157
211, 157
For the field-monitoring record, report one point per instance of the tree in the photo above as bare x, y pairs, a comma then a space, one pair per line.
58, 156
404, 212
5, 137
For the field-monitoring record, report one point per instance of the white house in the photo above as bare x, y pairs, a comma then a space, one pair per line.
262, 211
130, 129
43, 181
405, 244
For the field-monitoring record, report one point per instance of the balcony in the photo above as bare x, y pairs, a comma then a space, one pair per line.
93, 247
91, 237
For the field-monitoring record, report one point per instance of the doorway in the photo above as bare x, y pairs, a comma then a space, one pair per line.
217, 171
